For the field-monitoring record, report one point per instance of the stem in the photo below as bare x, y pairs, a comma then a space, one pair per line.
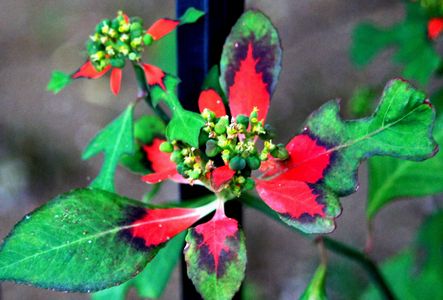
143, 91
364, 261
342, 249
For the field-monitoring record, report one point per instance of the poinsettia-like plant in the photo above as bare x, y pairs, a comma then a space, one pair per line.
91, 238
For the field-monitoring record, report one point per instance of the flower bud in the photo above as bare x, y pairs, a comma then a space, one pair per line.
148, 39
166, 147
243, 120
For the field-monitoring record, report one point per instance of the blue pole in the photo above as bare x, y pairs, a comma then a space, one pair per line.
199, 47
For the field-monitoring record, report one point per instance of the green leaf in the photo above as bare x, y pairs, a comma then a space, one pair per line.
75, 242
316, 288
185, 125
146, 129
191, 15
59, 80
415, 273
152, 281
115, 140
413, 48
391, 179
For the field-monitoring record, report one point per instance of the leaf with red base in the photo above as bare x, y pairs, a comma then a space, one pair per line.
161, 164
215, 255
87, 70
211, 100
250, 64
324, 159
154, 75
165, 26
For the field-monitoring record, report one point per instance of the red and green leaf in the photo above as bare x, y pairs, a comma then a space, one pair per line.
215, 255
154, 75
87, 70
163, 168
165, 26
94, 231
250, 64
325, 157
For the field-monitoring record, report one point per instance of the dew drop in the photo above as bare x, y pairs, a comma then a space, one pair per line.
85, 232
89, 241
236, 45
27, 217
160, 225
168, 238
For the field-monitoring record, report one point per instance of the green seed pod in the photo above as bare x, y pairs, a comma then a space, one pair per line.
166, 147
283, 153
136, 33
203, 138
177, 157
148, 39
181, 169
269, 132
118, 62
249, 184
211, 148
243, 120
194, 174
253, 162
115, 24
237, 163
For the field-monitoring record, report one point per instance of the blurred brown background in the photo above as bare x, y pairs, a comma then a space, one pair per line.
42, 135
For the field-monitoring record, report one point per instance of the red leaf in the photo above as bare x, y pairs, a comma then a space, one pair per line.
161, 164
211, 100
162, 27
307, 161
87, 70
116, 80
249, 89
290, 197
220, 176
215, 235
435, 28
157, 226
154, 75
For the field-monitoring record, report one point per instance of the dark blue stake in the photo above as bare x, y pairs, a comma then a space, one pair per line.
199, 47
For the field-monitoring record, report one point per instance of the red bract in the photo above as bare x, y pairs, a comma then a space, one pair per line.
435, 28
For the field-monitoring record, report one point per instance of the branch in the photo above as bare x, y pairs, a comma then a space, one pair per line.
144, 92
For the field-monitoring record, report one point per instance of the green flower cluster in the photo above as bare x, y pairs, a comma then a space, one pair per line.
116, 40
224, 142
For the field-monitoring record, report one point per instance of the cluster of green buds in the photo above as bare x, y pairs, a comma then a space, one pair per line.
227, 142
116, 40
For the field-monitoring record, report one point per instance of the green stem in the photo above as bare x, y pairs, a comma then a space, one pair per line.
364, 261
144, 92
353, 254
